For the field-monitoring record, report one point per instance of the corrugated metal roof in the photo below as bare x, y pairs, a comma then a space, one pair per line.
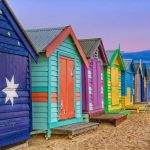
127, 63
109, 54
42, 37
89, 45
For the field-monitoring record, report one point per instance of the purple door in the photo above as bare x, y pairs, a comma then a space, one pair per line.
96, 85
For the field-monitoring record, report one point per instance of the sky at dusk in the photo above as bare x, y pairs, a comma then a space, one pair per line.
116, 21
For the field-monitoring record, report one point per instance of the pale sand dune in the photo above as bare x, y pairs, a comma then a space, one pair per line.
133, 134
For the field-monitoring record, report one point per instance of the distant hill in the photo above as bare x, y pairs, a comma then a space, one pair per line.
143, 55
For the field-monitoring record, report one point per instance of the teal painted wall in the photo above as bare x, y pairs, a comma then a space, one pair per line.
39, 73
45, 78
39, 116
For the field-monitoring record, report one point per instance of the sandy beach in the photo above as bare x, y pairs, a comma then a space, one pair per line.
133, 134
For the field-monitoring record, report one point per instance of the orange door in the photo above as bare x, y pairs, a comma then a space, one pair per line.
66, 88
63, 88
70, 84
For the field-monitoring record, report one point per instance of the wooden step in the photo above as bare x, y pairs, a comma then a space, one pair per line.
138, 107
116, 119
144, 109
75, 129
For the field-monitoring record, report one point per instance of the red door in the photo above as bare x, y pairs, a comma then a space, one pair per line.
66, 88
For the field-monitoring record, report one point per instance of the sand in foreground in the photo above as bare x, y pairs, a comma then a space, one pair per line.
133, 134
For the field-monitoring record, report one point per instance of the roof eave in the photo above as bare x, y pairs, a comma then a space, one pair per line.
101, 45
117, 53
22, 30
60, 38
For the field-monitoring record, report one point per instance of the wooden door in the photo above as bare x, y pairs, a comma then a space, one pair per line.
70, 84
96, 85
66, 88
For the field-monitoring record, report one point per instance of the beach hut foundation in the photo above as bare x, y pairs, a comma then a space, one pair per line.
75, 129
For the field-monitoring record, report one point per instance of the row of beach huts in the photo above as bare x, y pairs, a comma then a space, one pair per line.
52, 82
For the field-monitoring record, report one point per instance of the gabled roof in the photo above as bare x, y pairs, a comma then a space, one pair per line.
19, 29
90, 46
138, 67
42, 37
112, 55
129, 65
48, 39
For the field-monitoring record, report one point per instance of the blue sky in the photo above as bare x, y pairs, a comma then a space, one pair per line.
115, 21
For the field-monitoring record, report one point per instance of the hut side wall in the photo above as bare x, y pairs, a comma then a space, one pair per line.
145, 89
40, 93
142, 90
15, 112
148, 90
127, 88
137, 97
85, 89
15, 119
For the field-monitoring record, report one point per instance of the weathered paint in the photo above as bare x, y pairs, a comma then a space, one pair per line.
49, 76
15, 86
112, 82
93, 84
127, 83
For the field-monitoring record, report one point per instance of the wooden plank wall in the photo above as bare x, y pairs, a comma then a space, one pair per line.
40, 93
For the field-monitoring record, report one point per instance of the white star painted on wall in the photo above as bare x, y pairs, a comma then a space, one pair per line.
10, 90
